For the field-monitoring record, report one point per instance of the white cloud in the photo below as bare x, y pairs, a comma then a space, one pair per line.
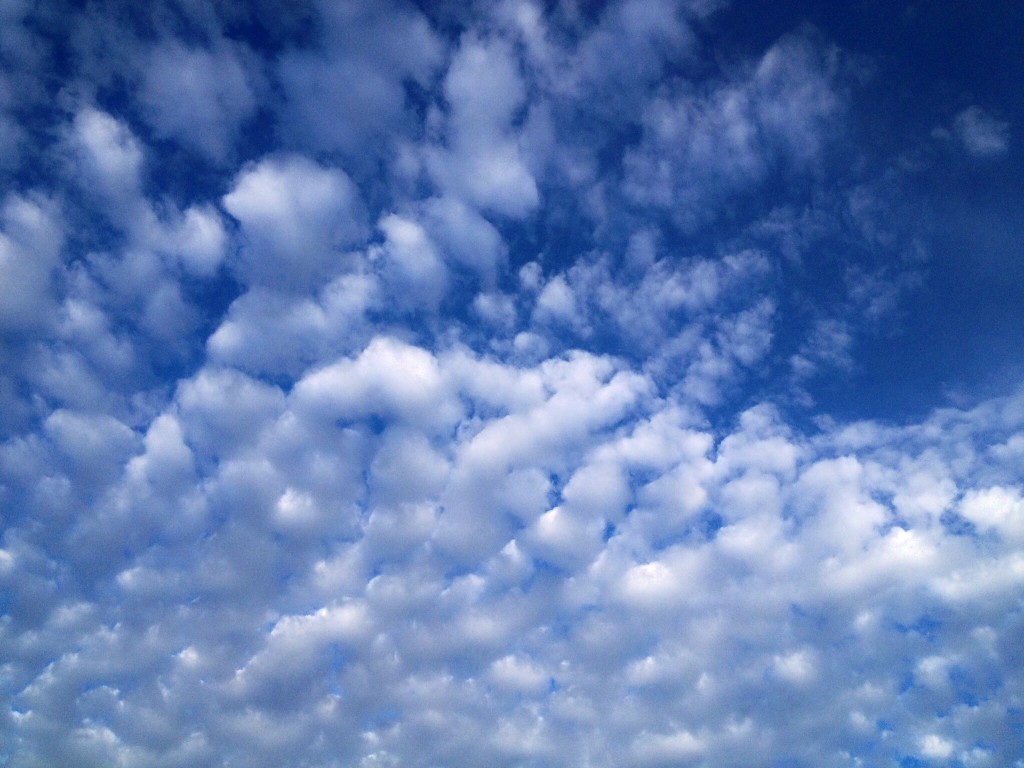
110, 161
699, 149
998, 509
389, 378
467, 237
520, 675
452, 428
981, 133
111, 158
347, 92
496, 309
935, 747
30, 243
483, 163
626, 50
407, 468
828, 347
798, 667
556, 302
667, 748
224, 410
94, 447
415, 271
198, 96
196, 238
296, 217
269, 331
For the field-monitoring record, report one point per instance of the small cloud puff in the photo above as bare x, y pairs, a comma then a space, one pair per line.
296, 216
982, 134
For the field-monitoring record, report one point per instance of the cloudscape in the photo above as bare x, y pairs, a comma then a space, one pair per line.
528, 383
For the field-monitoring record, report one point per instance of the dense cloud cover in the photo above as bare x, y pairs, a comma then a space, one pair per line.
508, 384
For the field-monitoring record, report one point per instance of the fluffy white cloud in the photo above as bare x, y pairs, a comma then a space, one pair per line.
981, 133
589, 571
347, 92
30, 243
997, 509
111, 159
111, 163
196, 238
468, 238
389, 379
272, 331
198, 96
482, 162
413, 268
296, 217
700, 147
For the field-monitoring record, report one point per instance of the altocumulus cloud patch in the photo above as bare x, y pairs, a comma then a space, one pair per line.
523, 384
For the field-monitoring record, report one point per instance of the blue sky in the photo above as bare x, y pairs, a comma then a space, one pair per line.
532, 384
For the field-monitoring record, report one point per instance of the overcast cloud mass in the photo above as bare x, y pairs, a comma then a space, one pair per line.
533, 384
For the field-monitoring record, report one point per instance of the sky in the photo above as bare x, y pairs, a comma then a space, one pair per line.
541, 384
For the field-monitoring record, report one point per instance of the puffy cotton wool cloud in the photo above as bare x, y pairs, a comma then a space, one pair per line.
522, 384
997, 510
982, 134
198, 96
389, 379
483, 162
30, 246
345, 88
295, 218
412, 265
700, 149
110, 155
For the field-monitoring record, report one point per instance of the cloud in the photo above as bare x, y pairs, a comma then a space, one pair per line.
348, 89
483, 163
111, 160
699, 149
981, 133
681, 622
412, 264
196, 238
469, 239
270, 331
995, 509
198, 96
389, 379
30, 244
396, 384
295, 218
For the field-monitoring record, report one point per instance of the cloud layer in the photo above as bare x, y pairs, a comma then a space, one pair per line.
389, 385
